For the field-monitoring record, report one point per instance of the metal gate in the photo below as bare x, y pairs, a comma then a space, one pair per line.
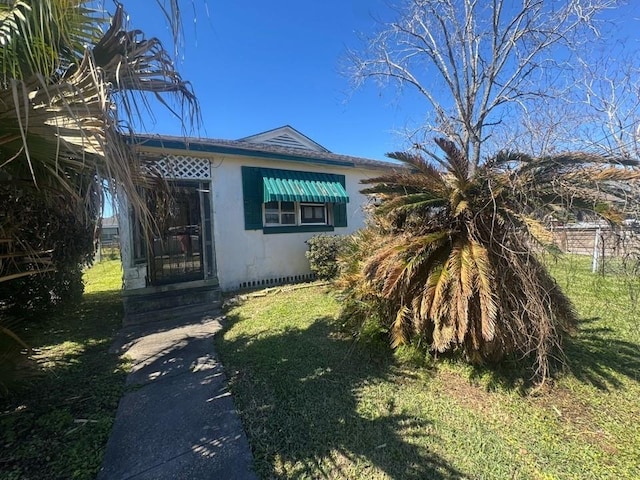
182, 251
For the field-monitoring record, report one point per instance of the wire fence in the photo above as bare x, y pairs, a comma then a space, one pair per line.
107, 250
613, 250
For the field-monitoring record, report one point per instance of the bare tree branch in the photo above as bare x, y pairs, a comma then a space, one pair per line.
488, 58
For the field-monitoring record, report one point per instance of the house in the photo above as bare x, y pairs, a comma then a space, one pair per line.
109, 231
241, 211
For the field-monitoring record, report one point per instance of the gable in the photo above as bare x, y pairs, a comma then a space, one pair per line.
287, 137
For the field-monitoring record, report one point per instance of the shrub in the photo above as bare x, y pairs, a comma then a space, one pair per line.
33, 224
45, 245
323, 253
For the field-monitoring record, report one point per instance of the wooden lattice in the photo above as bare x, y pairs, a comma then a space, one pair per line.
182, 167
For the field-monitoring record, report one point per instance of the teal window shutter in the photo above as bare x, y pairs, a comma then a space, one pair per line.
340, 209
252, 196
339, 214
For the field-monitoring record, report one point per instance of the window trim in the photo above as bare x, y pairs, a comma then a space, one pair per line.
297, 211
298, 229
308, 204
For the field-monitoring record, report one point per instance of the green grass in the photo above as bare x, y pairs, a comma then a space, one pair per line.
57, 422
316, 405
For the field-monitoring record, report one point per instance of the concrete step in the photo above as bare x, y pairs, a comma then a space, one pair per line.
156, 316
156, 304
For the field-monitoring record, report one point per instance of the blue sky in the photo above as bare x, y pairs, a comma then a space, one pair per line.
255, 66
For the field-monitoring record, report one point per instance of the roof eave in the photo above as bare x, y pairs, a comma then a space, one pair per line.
153, 143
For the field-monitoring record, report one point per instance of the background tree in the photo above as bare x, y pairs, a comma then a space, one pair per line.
449, 260
608, 100
479, 65
597, 109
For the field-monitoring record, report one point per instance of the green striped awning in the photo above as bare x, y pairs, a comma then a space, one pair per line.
290, 186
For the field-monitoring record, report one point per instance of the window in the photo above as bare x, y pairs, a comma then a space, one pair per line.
315, 214
294, 213
279, 213
287, 201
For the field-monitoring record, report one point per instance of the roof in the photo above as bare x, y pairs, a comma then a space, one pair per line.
110, 222
285, 136
260, 145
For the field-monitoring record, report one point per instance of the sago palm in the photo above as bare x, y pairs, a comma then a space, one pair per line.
450, 258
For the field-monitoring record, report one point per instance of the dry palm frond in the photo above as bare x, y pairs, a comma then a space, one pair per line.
485, 286
58, 126
398, 327
452, 263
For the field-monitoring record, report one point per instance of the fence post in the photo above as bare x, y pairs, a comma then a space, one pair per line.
596, 252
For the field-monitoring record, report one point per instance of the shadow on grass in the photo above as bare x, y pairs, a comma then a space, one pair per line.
592, 356
300, 398
599, 359
55, 422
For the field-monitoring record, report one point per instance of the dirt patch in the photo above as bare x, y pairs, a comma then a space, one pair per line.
467, 394
565, 405
578, 417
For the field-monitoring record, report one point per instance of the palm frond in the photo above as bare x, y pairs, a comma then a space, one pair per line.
44, 37
485, 286
456, 163
406, 182
408, 203
465, 290
533, 227
454, 263
398, 328
416, 162
439, 314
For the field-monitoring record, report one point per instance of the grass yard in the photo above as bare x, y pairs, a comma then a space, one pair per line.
56, 424
315, 405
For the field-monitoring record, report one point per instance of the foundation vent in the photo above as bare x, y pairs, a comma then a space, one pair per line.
270, 282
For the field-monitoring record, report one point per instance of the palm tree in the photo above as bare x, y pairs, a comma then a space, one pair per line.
65, 90
70, 78
450, 258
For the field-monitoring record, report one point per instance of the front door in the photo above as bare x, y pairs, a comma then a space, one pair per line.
182, 251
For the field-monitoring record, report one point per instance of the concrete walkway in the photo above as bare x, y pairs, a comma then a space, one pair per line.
177, 419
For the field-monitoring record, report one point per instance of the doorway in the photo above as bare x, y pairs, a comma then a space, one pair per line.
182, 250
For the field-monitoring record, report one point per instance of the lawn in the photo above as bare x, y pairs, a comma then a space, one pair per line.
56, 423
317, 405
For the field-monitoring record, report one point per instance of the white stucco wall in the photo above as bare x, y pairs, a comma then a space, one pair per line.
133, 276
250, 255
246, 256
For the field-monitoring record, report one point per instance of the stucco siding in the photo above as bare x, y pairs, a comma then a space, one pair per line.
250, 255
